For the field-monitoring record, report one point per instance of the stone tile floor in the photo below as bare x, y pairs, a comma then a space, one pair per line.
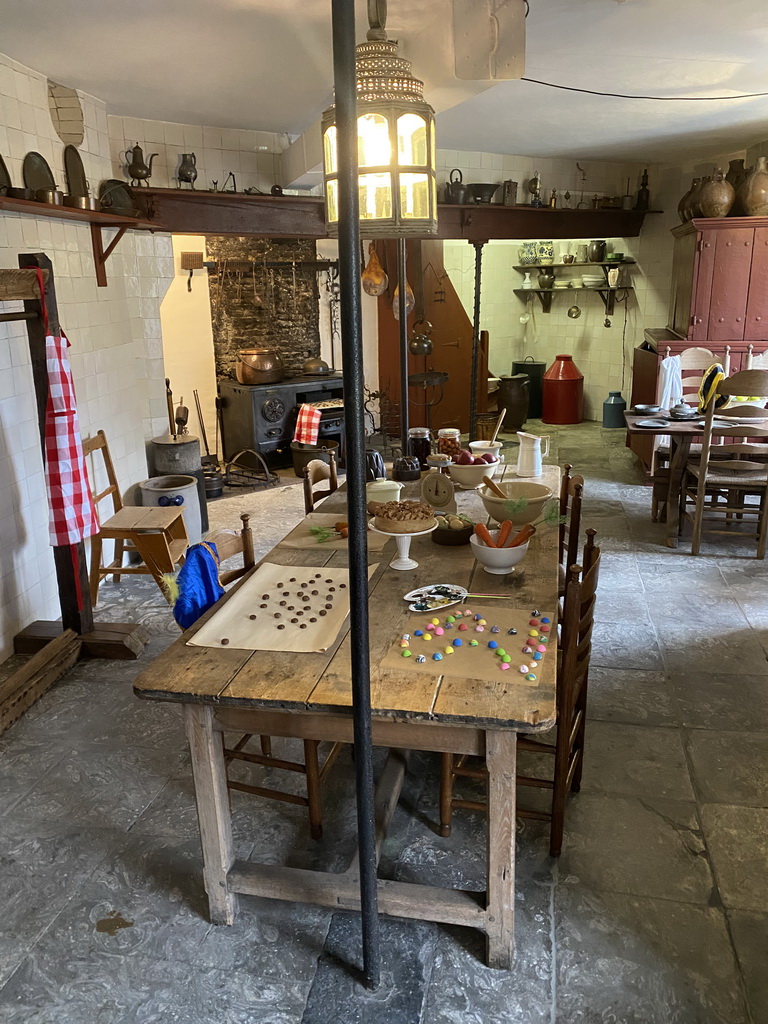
656, 912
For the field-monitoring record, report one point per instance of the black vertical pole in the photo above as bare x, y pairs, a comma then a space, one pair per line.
475, 340
403, 325
343, 21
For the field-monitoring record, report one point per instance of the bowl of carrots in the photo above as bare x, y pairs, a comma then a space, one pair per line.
525, 501
499, 551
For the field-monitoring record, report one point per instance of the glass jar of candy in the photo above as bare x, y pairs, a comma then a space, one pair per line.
420, 444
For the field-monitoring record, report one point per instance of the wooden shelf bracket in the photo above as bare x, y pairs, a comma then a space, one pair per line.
101, 254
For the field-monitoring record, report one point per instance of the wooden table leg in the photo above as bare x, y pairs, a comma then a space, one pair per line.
681, 447
206, 748
500, 758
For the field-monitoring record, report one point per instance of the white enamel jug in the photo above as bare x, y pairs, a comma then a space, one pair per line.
530, 454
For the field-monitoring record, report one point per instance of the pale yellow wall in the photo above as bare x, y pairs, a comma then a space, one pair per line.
188, 339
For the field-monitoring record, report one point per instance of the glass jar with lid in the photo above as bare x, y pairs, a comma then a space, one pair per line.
449, 441
420, 444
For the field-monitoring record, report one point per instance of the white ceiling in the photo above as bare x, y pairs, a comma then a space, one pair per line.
266, 64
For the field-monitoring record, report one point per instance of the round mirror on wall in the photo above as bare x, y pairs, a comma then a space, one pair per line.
66, 113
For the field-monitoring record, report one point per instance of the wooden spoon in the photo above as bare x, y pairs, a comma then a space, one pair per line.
488, 481
499, 421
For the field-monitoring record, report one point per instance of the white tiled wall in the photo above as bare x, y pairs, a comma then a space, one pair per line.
116, 351
252, 156
603, 354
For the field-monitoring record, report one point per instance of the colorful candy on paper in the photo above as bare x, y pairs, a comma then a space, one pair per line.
435, 622
500, 653
504, 665
437, 656
536, 612
523, 669
533, 622
506, 658
451, 618
407, 653
527, 649
533, 632
479, 629
542, 649
531, 677
512, 632
537, 656
495, 629
406, 636
457, 642
421, 658
427, 636
418, 632
463, 625
404, 643
439, 630
492, 644
545, 629
449, 650
474, 643
545, 620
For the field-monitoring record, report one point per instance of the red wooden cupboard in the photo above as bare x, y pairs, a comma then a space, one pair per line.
720, 280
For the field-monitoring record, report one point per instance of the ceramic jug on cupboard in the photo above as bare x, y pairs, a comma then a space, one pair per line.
530, 454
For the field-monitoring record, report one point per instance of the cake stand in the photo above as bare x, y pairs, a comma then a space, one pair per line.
402, 560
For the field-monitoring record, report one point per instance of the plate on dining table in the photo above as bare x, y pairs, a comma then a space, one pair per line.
652, 424
436, 595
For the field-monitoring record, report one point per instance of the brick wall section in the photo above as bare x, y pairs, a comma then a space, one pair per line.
271, 307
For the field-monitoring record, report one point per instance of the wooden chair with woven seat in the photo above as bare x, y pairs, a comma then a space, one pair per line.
317, 472
693, 363
719, 488
228, 544
567, 750
157, 535
571, 493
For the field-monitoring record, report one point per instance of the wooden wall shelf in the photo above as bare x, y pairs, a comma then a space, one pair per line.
227, 213
95, 218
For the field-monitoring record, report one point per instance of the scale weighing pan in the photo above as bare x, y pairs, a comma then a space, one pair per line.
436, 595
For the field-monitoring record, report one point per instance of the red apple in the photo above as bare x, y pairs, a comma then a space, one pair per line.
465, 459
488, 458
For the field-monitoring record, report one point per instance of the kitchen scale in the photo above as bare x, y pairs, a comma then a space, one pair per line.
438, 490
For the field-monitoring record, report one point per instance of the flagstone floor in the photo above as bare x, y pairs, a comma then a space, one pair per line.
656, 912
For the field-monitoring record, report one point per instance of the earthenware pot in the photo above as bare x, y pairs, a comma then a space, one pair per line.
717, 196
753, 192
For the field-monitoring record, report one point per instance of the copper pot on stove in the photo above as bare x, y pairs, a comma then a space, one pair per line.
259, 366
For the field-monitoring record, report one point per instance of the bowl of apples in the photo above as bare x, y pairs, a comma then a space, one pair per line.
467, 470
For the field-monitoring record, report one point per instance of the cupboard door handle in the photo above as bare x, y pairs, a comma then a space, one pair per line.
758, 318
738, 319
720, 319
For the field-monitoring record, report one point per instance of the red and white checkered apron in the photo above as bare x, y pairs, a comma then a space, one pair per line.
72, 514
307, 424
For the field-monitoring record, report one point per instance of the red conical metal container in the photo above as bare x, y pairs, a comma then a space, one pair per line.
563, 392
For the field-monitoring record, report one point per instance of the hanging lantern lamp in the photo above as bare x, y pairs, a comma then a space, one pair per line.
395, 143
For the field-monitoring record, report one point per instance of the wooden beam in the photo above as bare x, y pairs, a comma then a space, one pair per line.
18, 285
20, 690
116, 641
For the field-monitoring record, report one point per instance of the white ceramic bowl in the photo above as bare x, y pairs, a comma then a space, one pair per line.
485, 447
469, 477
497, 561
537, 494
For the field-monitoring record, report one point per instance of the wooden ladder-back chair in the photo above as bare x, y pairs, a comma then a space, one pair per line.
571, 493
719, 488
228, 544
157, 535
317, 472
575, 647
693, 363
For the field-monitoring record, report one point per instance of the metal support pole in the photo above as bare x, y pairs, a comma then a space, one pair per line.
343, 21
475, 340
403, 327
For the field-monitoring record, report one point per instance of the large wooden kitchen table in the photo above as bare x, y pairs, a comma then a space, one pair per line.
310, 696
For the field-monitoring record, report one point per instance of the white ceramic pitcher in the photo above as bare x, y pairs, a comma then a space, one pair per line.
530, 454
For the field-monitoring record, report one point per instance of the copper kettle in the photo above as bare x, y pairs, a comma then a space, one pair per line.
259, 366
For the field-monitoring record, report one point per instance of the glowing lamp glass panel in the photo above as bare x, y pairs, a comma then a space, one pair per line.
332, 200
373, 145
329, 150
414, 196
375, 196
411, 140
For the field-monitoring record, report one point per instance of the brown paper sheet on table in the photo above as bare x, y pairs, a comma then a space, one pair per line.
233, 620
475, 662
300, 537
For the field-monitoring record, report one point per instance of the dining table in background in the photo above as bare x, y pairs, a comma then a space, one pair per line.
309, 696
